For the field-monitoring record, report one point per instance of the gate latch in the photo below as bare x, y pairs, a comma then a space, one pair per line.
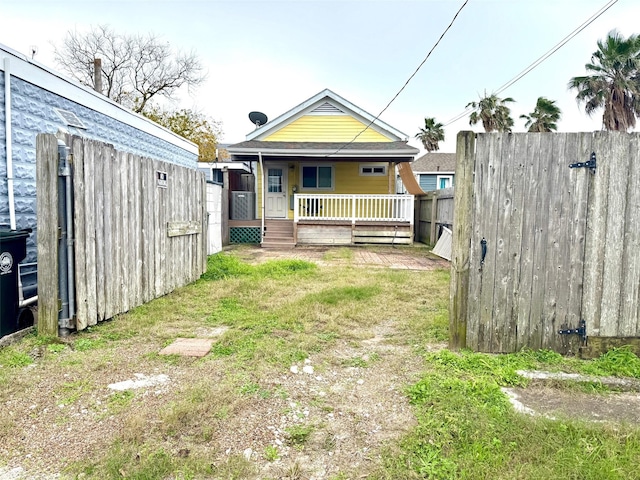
590, 164
581, 330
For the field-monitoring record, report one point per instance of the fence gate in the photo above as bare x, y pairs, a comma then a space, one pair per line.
546, 241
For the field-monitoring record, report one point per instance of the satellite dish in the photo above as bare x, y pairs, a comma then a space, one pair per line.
258, 118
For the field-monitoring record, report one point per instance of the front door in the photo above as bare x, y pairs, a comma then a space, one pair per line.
276, 196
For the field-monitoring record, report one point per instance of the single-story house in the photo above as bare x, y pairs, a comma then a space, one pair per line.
435, 170
325, 174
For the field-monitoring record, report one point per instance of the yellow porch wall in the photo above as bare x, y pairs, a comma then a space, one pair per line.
347, 181
325, 128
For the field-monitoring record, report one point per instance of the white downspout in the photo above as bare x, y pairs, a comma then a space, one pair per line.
262, 203
8, 142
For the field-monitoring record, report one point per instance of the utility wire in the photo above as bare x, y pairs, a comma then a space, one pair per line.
408, 80
541, 59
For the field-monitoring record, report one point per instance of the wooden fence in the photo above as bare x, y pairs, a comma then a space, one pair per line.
544, 255
433, 211
140, 229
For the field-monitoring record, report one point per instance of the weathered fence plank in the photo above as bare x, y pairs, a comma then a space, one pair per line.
116, 225
617, 159
491, 209
149, 202
512, 287
503, 331
90, 235
157, 199
124, 234
137, 228
108, 234
630, 308
555, 226
596, 234
80, 230
540, 250
530, 172
476, 261
575, 248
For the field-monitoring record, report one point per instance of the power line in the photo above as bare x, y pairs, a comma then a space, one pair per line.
541, 59
408, 80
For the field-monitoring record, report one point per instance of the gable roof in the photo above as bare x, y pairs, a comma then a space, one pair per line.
434, 162
327, 102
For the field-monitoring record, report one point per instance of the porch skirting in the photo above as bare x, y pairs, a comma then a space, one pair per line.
346, 233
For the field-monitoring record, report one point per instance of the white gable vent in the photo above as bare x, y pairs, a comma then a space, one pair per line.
70, 118
327, 109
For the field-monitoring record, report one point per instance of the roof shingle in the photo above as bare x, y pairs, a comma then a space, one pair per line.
434, 162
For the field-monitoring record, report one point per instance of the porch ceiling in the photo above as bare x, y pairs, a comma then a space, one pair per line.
334, 151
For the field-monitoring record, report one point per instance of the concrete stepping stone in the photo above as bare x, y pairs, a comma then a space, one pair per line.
188, 347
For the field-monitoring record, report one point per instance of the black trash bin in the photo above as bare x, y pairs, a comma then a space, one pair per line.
13, 249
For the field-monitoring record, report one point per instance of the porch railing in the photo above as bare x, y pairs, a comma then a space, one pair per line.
353, 208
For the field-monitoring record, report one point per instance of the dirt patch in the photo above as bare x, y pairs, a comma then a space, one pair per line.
351, 411
561, 403
349, 397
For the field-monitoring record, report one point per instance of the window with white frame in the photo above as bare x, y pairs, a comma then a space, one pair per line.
317, 177
373, 169
444, 181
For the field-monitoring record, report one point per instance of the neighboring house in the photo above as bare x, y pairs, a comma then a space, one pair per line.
434, 170
35, 99
326, 175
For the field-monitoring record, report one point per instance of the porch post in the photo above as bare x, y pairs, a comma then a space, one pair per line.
353, 209
262, 204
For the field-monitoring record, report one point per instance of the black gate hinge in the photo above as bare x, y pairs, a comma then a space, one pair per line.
581, 330
590, 164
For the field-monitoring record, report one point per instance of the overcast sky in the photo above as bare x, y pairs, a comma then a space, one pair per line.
272, 55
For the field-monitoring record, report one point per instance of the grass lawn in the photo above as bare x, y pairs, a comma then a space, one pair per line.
335, 372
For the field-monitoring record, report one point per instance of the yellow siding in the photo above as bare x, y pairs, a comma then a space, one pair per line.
348, 180
325, 128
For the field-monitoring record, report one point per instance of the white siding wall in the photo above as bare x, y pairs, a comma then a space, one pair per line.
214, 209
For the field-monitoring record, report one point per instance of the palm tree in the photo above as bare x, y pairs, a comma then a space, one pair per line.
431, 135
493, 112
613, 83
544, 117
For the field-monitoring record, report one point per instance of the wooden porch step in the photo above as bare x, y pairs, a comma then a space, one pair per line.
278, 238
280, 243
278, 234
279, 226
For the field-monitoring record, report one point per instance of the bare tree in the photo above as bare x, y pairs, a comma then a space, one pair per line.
135, 68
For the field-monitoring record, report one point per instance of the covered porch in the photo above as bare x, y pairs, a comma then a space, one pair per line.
333, 219
319, 193
336, 219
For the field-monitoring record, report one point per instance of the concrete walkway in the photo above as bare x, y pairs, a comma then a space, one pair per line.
401, 257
